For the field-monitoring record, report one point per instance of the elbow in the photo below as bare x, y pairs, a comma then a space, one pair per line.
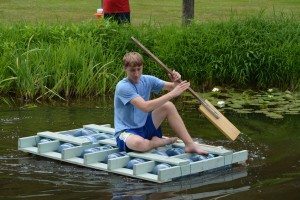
146, 108
141, 104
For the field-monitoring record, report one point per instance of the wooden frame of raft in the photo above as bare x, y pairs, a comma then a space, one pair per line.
180, 165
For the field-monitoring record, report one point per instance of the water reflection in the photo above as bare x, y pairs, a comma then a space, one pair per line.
41, 177
177, 189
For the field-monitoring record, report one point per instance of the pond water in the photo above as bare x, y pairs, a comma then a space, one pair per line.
272, 171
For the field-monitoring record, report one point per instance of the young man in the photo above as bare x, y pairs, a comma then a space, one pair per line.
137, 119
118, 10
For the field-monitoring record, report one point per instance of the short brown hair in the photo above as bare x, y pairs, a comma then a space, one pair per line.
132, 59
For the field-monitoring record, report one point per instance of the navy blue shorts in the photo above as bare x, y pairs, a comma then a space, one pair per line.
147, 131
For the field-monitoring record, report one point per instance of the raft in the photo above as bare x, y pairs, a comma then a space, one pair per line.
94, 146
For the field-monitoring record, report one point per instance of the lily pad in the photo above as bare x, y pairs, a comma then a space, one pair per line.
288, 97
292, 112
259, 111
295, 109
236, 106
273, 103
279, 109
243, 111
274, 115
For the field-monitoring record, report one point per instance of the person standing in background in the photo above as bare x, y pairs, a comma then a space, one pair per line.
118, 10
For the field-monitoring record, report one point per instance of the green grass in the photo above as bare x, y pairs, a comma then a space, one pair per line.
56, 61
143, 11
45, 61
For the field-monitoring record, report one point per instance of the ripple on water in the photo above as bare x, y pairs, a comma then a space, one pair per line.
13, 120
35, 195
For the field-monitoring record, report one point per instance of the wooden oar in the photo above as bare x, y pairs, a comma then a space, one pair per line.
210, 112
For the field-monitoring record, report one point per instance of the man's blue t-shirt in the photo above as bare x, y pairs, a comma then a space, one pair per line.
127, 116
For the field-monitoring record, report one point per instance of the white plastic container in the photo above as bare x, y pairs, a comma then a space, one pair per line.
100, 10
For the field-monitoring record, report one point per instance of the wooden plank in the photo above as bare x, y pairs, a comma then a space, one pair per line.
142, 168
53, 155
179, 141
183, 156
129, 172
103, 129
159, 158
110, 141
101, 166
75, 160
149, 177
65, 138
124, 171
169, 173
98, 156
227, 159
240, 156
33, 150
96, 126
185, 170
106, 125
48, 146
89, 157
30, 141
75, 151
208, 164
219, 150
71, 132
116, 163
222, 123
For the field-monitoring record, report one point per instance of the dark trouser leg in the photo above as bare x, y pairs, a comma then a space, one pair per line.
118, 17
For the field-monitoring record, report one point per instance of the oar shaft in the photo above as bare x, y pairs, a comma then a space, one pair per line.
168, 70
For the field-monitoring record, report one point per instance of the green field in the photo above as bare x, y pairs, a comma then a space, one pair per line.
143, 11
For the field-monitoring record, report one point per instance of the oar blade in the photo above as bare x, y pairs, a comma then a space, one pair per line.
222, 123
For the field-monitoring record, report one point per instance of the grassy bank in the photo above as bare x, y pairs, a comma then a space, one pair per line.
42, 61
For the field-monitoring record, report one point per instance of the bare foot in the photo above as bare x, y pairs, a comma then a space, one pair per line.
194, 148
171, 140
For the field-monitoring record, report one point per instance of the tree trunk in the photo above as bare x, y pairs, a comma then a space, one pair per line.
187, 11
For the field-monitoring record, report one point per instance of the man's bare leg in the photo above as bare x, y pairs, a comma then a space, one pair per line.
169, 111
138, 143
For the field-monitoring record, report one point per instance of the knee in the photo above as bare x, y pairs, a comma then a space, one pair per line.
144, 145
168, 106
141, 145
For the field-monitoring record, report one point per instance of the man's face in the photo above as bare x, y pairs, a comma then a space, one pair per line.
134, 73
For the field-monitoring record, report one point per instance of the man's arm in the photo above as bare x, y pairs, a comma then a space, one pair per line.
175, 77
169, 86
148, 106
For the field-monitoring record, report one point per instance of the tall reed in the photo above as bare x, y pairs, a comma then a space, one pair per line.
84, 60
